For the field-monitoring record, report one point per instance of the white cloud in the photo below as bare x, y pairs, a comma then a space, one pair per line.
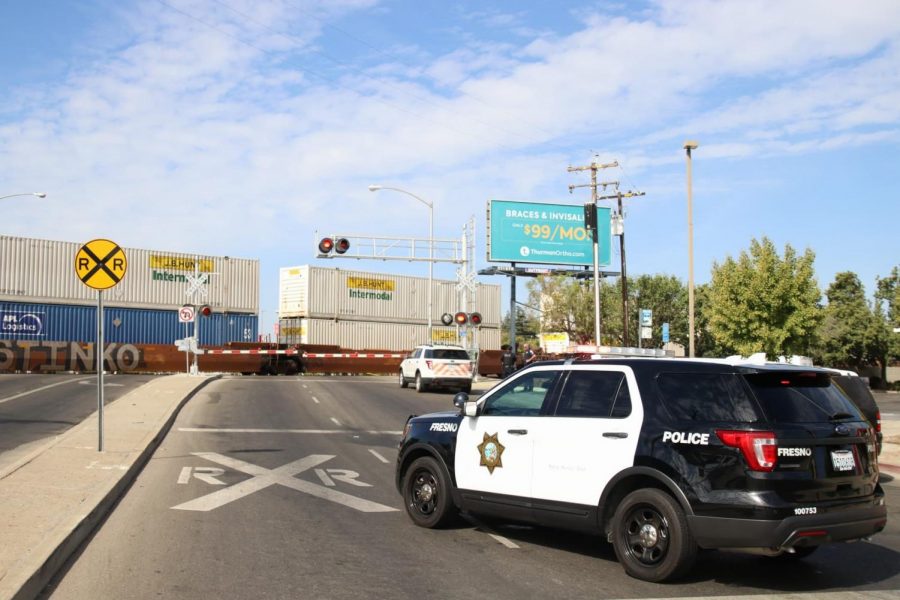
186, 137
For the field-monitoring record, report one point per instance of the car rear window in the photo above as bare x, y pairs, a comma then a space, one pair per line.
707, 397
447, 353
801, 398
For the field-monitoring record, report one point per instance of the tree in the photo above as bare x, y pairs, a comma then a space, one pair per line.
852, 334
568, 306
764, 303
527, 327
888, 292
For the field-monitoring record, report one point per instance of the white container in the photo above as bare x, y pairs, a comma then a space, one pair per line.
333, 293
43, 271
370, 335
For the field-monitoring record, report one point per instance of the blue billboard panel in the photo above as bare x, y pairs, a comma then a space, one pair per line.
552, 234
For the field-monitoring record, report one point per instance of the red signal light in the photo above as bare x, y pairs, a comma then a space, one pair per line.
326, 245
341, 245
460, 318
475, 319
205, 310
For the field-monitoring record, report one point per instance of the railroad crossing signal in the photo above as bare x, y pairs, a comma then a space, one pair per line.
328, 244
100, 264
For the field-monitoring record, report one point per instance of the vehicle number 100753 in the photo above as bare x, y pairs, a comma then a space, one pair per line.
805, 510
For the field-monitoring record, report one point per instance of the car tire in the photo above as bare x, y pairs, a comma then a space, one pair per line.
403, 383
426, 493
420, 385
651, 536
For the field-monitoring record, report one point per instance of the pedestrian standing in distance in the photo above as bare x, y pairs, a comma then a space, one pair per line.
507, 361
528, 355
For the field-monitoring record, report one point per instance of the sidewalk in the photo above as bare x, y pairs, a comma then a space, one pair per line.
53, 498
889, 459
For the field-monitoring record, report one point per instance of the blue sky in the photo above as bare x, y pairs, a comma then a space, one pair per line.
239, 127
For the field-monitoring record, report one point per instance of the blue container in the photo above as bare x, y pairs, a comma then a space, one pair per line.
69, 323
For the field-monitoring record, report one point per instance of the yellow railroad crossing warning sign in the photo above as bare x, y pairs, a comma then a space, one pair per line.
100, 264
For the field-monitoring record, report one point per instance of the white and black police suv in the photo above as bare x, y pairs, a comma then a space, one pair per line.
660, 456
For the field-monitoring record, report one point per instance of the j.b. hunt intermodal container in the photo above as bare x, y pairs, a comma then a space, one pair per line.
70, 323
43, 271
370, 335
350, 295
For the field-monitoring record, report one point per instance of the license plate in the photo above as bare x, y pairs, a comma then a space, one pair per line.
842, 460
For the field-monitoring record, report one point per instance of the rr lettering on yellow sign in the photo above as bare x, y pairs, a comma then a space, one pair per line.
181, 263
367, 283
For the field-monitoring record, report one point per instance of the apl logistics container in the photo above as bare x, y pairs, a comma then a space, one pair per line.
338, 294
371, 335
42, 271
68, 323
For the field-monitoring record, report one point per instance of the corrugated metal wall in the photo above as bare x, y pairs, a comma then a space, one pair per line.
68, 323
368, 335
44, 271
330, 293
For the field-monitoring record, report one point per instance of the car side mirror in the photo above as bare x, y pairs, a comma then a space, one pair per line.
460, 399
470, 409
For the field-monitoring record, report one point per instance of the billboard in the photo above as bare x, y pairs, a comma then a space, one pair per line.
552, 234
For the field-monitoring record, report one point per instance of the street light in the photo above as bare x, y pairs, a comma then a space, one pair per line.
688, 146
430, 205
38, 194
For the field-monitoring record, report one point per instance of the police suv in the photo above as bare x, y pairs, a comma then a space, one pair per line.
660, 456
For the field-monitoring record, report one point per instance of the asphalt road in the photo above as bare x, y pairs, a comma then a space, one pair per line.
283, 488
36, 407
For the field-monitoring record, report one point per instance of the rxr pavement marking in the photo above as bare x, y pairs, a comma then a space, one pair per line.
283, 475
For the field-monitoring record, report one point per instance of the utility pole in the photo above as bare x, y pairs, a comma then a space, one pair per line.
621, 228
593, 168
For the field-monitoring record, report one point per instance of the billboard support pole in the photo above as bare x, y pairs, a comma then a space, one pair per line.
512, 308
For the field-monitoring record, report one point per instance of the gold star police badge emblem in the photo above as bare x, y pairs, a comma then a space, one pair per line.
491, 451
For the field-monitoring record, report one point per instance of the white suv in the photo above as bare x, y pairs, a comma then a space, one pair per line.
443, 366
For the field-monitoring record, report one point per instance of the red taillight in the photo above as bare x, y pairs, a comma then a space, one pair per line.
877, 421
760, 448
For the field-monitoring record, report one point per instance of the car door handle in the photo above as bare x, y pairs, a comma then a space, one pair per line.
517, 431
615, 434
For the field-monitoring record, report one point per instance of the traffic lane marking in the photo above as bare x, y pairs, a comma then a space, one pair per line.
378, 456
42, 388
479, 526
283, 475
316, 400
298, 431
335, 421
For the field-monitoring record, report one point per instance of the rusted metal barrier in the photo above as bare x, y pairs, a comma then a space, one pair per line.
263, 359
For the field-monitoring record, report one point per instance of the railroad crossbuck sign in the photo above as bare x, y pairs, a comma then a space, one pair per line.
100, 264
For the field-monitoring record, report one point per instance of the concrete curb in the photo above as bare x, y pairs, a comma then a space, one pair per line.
41, 567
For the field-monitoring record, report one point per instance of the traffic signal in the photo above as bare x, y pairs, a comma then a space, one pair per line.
462, 318
327, 245
205, 310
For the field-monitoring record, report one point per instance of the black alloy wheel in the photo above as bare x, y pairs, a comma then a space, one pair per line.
426, 493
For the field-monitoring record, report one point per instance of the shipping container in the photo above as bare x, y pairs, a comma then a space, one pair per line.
42, 271
70, 323
329, 293
370, 335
